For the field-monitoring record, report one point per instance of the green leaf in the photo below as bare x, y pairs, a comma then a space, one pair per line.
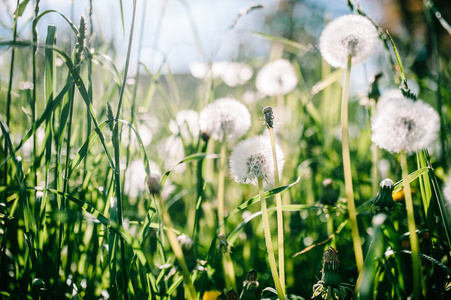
412, 176
293, 46
21, 8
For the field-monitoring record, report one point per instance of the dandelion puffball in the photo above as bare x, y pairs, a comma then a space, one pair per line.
350, 35
226, 118
403, 124
186, 124
447, 192
253, 158
276, 78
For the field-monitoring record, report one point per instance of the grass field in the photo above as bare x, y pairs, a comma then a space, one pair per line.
121, 179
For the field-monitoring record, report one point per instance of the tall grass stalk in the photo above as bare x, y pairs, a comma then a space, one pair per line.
280, 228
416, 266
347, 169
271, 258
116, 146
177, 249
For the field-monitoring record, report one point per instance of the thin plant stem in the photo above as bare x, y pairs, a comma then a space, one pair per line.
221, 186
416, 266
347, 170
280, 233
229, 273
271, 258
374, 159
177, 249
330, 228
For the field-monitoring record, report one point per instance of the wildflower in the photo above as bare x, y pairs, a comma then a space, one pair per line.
186, 243
172, 151
199, 70
212, 295
235, 74
135, 179
252, 158
330, 285
389, 94
250, 286
447, 191
276, 78
350, 35
226, 118
186, 124
383, 202
403, 124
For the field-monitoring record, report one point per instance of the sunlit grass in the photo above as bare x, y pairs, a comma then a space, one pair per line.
104, 170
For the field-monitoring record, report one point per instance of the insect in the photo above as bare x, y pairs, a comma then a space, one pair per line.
269, 117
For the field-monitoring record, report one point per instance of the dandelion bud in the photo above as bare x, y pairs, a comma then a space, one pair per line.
331, 264
383, 202
232, 295
223, 244
226, 118
330, 194
252, 159
153, 184
348, 36
403, 124
186, 243
250, 286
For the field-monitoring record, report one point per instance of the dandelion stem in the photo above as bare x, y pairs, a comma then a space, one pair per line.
271, 258
279, 213
178, 252
330, 228
374, 159
221, 186
229, 273
416, 266
347, 169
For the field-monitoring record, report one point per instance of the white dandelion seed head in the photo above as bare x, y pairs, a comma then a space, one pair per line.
403, 124
276, 78
234, 74
387, 183
172, 151
225, 118
185, 241
350, 35
199, 70
447, 191
186, 124
389, 94
253, 158
135, 179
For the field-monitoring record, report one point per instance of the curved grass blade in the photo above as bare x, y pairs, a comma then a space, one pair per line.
412, 176
256, 198
190, 158
293, 46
